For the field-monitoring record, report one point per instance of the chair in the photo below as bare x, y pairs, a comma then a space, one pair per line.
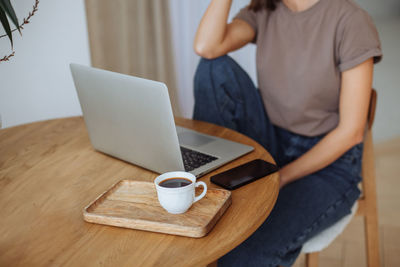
367, 206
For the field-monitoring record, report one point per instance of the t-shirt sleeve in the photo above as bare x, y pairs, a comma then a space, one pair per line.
359, 41
250, 17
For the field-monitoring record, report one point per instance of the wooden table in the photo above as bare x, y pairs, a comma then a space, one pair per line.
49, 172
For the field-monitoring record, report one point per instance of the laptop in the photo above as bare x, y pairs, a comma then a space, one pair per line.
131, 118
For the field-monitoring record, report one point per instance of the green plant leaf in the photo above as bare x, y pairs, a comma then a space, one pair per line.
6, 25
9, 10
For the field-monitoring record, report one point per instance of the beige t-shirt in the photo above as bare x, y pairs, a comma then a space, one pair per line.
300, 57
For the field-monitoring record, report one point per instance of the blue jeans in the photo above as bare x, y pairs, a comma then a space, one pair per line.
225, 95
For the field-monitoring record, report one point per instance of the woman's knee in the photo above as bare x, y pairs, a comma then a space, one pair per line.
225, 59
212, 77
214, 67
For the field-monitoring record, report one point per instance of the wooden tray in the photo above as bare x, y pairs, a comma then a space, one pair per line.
134, 204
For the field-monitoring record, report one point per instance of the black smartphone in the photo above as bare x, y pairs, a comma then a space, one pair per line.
244, 174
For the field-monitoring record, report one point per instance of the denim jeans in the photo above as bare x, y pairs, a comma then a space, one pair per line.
225, 95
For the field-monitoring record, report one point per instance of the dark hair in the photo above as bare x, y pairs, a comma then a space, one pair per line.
257, 5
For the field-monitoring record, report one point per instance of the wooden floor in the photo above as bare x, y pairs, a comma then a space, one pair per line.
348, 250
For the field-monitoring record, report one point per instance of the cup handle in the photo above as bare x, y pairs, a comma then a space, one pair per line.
202, 193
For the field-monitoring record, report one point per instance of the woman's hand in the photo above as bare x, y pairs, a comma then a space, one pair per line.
214, 37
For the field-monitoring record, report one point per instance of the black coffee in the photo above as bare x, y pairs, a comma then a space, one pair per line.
175, 182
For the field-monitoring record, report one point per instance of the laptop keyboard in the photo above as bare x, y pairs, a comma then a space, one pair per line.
193, 159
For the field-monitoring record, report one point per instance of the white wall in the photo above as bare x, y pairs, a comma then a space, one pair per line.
36, 83
387, 81
381, 8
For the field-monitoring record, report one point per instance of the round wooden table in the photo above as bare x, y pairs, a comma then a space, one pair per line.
49, 172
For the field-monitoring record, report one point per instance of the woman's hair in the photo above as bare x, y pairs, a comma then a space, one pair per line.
257, 5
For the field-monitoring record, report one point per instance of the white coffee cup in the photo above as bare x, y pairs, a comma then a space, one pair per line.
178, 199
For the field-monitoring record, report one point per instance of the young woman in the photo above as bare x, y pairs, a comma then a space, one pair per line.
314, 65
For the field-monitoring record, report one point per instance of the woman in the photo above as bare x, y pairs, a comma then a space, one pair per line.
315, 65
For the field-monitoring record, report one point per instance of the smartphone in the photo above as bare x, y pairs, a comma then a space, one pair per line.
244, 174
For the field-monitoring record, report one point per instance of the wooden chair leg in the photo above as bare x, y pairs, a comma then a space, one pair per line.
370, 212
312, 259
372, 242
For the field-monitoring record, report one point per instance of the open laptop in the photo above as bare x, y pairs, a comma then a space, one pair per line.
131, 119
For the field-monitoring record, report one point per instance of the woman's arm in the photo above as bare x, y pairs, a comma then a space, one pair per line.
215, 37
353, 108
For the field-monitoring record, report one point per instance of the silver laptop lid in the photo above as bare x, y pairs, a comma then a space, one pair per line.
127, 130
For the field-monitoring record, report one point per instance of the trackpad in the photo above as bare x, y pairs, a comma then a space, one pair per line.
193, 139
